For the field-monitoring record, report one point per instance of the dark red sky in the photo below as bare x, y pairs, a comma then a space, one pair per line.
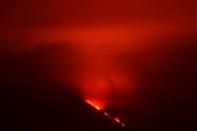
101, 27
38, 13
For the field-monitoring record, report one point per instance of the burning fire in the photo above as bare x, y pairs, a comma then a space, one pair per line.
99, 106
95, 103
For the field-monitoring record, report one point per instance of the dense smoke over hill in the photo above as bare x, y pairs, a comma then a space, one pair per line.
136, 57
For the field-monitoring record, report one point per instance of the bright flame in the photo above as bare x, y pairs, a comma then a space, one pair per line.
98, 106
94, 103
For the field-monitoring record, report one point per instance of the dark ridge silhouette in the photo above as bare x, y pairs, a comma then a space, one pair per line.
32, 101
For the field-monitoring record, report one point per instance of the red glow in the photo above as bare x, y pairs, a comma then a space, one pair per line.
111, 57
117, 120
101, 75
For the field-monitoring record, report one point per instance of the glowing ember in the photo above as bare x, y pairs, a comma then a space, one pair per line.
106, 114
98, 106
117, 120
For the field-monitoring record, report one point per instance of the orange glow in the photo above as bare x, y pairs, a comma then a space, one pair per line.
107, 59
95, 103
